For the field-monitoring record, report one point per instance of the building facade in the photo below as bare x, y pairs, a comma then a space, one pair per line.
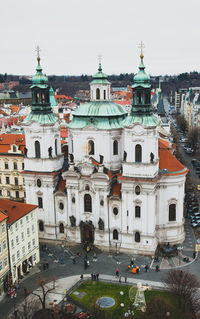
123, 188
4, 257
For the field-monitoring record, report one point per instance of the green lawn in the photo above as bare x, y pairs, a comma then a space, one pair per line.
96, 289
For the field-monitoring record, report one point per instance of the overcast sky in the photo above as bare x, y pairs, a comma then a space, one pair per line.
72, 33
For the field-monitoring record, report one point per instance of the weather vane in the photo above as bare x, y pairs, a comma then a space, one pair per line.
141, 46
100, 58
38, 51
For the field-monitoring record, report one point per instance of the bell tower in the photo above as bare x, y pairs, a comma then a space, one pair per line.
43, 158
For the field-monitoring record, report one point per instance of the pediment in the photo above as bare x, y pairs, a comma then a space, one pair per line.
86, 168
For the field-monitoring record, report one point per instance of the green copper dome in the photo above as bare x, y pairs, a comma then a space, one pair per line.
39, 79
141, 78
100, 109
100, 77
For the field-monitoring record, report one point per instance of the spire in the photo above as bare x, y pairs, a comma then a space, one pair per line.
38, 68
100, 68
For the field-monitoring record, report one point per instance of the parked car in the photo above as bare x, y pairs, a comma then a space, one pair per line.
194, 225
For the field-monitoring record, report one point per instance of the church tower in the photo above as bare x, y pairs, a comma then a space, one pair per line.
43, 158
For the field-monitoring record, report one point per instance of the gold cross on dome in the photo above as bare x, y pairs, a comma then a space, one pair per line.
38, 51
141, 46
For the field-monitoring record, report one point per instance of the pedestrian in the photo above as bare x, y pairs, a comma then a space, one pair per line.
157, 268
132, 262
92, 276
81, 276
94, 257
194, 254
145, 268
125, 278
74, 260
117, 272
97, 276
120, 279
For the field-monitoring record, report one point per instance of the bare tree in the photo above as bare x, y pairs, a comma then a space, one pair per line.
193, 137
43, 290
181, 121
184, 285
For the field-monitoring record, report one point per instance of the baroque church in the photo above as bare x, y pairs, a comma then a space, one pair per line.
122, 187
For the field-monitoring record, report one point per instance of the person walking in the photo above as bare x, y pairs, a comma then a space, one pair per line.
81, 276
125, 278
117, 272
97, 276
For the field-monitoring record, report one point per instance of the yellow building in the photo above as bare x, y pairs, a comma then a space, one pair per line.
11, 165
4, 259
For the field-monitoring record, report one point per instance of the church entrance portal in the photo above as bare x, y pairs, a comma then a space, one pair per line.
87, 232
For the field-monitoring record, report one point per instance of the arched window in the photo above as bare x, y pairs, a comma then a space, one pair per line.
56, 150
137, 211
115, 148
37, 149
137, 190
139, 98
91, 147
61, 228
40, 202
138, 153
97, 94
115, 211
146, 98
41, 225
61, 206
15, 165
104, 94
87, 203
137, 237
172, 212
115, 234
39, 183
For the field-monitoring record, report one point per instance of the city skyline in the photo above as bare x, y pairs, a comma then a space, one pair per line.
72, 35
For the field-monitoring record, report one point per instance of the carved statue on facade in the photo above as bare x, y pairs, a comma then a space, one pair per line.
71, 156
151, 157
50, 151
72, 221
25, 151
101, 224
125, 156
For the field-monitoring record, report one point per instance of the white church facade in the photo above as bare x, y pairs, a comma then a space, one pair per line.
123, 188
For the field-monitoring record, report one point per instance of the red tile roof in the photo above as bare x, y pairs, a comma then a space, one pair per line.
116, 190
168, 161
2, 216
15, 210
7, 139
123, 102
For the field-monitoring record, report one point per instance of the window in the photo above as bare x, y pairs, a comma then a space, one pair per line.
137, 237
33, 241
61, 206
138, 153
28, 232
104, 94
172, 212
14, 148
23, 166
87, 203
27, 218
5, 262
137, 211
17, 194
15, 165
7, 180
115, 211
37, 149
147, 98
32, 215
56, 147
22, 236
16, 226
115, 234
18, 255
137, 190
12, 243
101, 202
6, 165
1, 265
17, 239
0, 180
115, 148
61, 228
139, 96
3, 228
91, 147
23, 250
39, 183
33, 228
4, 244
8, 193
73, 200
13, 258
41, 226
97, 94
29, 245
87, 188
34, 257
21, 222
0, 192
40, 203
16, 181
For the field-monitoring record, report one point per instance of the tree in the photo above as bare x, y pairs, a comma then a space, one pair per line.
184, 285
157, 308
193, 137
43, 290
181, 121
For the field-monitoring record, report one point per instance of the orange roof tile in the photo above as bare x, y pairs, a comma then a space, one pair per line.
8, 139
15, 210
14, 108
168, 161
62, 186
2, 216
116, 190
